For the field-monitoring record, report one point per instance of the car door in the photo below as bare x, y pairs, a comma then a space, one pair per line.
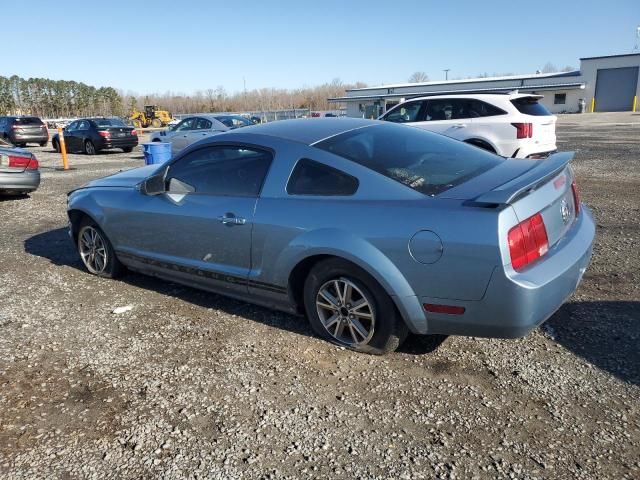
180, 137
70, 139
447, 116
199, 231
81, 134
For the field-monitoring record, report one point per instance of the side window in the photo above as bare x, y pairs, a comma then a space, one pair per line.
407, 112
438, 110
203, 124
226, 171
71, 127
187, 124
83, 125
313, 178
560, 98
478, 108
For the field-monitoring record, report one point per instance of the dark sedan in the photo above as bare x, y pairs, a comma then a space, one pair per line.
18, 170
90, 135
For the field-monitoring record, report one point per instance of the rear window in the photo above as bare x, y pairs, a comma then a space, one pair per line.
109, 122
28, 121
530, 106
424, 161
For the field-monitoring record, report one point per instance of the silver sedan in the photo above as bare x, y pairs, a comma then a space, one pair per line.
19, 171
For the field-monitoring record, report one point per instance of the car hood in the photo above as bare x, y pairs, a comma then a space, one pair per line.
127, 178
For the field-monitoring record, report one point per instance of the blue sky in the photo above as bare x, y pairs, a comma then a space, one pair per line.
184, 46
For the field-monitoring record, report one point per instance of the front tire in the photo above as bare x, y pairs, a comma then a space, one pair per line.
96, 251
56, 145
346, 306
89, 148
156, 123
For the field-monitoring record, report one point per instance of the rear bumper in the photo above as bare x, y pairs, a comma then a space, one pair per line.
26, 181
517, 302
120, 142
30, 137
528, 151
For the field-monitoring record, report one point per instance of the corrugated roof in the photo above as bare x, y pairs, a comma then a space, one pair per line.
531, 76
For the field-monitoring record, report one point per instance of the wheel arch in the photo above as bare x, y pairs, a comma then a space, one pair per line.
375, 264
482, 143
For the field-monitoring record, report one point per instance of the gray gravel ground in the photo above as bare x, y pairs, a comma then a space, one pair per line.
192, 385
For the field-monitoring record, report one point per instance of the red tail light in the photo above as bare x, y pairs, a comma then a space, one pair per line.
21, 162
104, 133
576, 197
134, 133
528, 241
523, 130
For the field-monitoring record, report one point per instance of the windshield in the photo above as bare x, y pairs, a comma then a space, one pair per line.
109, 122
424, 161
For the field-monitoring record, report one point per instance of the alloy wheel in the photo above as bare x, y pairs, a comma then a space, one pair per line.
346, 312
93, 250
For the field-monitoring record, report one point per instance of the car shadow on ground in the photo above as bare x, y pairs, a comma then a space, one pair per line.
604, 333
5, 197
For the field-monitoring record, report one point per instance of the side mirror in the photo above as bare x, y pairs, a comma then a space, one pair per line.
153, 185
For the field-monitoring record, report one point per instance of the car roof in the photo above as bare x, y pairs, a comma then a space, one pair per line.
308, 130
479, 96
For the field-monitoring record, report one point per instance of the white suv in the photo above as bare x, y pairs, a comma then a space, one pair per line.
511, 125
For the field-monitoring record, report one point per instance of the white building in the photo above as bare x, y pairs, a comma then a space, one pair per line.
606, 84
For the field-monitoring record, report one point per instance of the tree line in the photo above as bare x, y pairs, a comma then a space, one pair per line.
48, 98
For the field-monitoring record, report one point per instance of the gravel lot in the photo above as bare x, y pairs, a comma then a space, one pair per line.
190, 384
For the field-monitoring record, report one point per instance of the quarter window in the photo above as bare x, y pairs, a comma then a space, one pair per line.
314, 178
225, 171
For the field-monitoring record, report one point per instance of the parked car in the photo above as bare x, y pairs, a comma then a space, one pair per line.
190, 130
370, 228
512, 125
19, 171
91, 135
22, 130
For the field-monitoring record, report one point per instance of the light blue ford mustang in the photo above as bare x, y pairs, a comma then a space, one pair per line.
372, 229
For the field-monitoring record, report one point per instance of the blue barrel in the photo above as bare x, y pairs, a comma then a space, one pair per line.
156, 152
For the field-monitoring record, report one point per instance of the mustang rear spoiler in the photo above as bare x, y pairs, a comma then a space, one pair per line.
528, 181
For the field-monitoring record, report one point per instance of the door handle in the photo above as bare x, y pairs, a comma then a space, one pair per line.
231, 219
459, 125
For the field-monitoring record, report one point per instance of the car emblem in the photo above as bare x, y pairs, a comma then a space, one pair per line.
564, 211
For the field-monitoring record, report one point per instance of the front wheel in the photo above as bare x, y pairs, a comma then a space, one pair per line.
346, 306
96, 251
56, 145
89, 148
156, 123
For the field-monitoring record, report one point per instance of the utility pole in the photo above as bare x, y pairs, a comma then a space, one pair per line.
446, 73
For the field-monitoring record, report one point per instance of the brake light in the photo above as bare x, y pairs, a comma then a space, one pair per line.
528, 241
134, 133
523, 130
104, 133
30, 163
576, 197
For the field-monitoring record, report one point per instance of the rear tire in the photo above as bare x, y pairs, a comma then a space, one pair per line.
43, 144
89, 148
96, 251
346, 306
127, 149
156, 123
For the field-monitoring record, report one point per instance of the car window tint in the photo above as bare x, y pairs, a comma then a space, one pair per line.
478, 108
530, 106
314, 178
187, 124
28, 121
407, 112
71, 127
83, 125
228, 171
424, 161
446, 109
203, 124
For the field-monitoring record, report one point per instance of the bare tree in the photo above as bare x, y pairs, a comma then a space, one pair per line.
568, 68
418, 77
549, 68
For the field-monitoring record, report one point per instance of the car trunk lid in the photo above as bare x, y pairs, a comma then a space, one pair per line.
117, 132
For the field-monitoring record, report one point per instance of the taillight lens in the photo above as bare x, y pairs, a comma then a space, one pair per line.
104, 133
528, 241
576, 197
134, 133
523, 130
29, 163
